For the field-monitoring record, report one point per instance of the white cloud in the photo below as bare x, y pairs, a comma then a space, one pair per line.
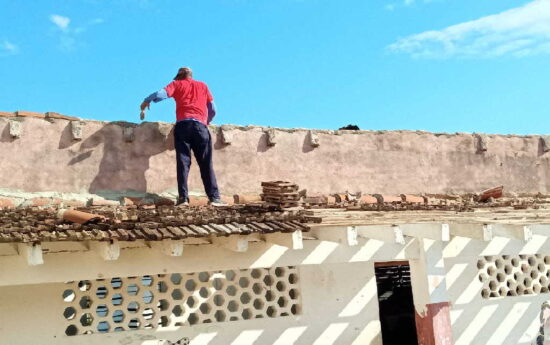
8, 48
518, 32
404, 3
69, 36
60, 21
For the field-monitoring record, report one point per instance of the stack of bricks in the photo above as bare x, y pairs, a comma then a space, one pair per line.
281, 193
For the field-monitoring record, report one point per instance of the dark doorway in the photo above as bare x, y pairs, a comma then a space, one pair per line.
395, 301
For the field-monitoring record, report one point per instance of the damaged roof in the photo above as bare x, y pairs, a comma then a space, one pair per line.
130, 223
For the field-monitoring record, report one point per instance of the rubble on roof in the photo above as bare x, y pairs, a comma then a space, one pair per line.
152, 223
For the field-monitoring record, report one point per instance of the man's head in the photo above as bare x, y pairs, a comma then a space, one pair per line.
184, 73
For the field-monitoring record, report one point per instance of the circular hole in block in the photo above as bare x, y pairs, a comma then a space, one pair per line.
103, 327
258, 304
219, 300
245, 298
86, 319
162, 287
244, 282
102, 310
148, 313
134, 324
257, 288
85, 302
271, 311
101, 292
231, 290
246, 314
148, 297
193, 319
293, 278
146, 280
84, 285
204, 292
177, 311
132, 289
71, 330
118, 316
133, 307
268, 280
279, 271
68, 295
163, 304
190, 285
220, 315
69, 313
229, 275
116, 283
232, 306
175, 278
177, 294
116, 299
204, 276
256, 273
191, 301
205, 308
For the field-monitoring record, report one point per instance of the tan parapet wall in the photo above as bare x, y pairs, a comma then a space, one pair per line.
65, 154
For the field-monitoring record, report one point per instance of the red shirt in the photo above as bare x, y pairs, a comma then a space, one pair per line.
191, 97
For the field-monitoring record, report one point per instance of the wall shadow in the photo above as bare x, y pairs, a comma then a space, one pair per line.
5, 136
124, 164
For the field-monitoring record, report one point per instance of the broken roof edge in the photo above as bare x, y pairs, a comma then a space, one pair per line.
49, 116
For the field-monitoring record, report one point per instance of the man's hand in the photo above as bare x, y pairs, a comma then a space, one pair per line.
144, 105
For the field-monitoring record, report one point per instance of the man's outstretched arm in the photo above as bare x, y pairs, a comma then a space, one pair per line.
154, 97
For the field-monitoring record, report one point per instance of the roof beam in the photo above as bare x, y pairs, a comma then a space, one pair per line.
168, 247
340, 234
516, 232
474, 231
433, 231
385, 233
291, 240
32, 253
236, 243
107, 250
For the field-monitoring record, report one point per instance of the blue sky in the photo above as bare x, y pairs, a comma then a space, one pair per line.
439, 65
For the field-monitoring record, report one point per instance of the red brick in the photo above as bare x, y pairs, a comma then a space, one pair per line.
198, 201
104, 202
494, 193
6, 114
385, 198
6, 203
368, 199
340, 197
129, 201
53, 115
73, 203
331, 200
227, 199
30, 114
247, 198
41, 202
414, 199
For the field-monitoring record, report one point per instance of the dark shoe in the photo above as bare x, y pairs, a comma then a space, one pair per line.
217, 202
182, 202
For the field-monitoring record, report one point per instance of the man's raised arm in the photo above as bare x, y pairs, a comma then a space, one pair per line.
154, 97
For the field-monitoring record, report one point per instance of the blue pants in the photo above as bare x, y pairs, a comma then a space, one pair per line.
193, 135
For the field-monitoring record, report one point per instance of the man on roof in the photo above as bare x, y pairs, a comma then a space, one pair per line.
194, 111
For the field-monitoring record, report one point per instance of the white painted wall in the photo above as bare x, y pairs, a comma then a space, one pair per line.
338, 291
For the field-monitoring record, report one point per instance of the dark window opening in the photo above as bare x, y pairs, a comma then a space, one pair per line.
395, 301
